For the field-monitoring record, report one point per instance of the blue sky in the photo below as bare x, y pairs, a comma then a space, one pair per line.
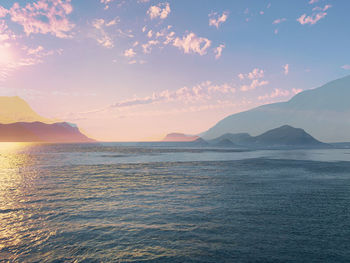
146, 68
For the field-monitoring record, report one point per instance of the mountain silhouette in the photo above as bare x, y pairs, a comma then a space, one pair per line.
179, 137
41, 132
323, 112
15, 109
284, 136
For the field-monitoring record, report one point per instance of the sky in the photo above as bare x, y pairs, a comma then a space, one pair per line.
135, 70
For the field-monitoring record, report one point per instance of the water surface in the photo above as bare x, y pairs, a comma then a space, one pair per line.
140, 203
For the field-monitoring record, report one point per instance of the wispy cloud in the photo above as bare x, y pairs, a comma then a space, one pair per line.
147, 47
215, 19
279, 20
254, 79
286, 69
277, 93
317, 15
218, 51
102, 37
162, 10
313, 1
346, 67
43, 17
192, 44
129, 53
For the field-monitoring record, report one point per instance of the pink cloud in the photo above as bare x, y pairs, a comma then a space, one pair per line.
315, 17
55, 13
279, 20
162, 10
277, 93
218, 51
192, 44
216, 20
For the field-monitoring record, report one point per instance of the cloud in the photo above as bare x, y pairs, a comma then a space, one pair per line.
192, 44
277, 93
102, 37
254, 74
254, 77
147, 48
279, 20
162, 10
218, 51
215, 19
313, 1
201, 92
106, 3
129, 53
286, 69
314, 17
296, 91
346, 67
43, 17
254, 84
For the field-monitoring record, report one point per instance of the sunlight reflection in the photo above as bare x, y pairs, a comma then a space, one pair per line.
15, 182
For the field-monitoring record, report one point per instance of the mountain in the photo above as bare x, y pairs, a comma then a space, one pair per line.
179, 137
41, 132
223, 143
284, 136
15, 109
235, 139
323, 112
287, 136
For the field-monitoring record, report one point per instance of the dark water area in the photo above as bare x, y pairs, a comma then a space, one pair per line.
120, 203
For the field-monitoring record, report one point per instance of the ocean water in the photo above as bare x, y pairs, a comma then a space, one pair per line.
141, 203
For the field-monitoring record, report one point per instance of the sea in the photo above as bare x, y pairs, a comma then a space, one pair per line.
144, 202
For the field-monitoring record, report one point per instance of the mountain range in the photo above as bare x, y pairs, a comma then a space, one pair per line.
282, 137
323, 112
20, 123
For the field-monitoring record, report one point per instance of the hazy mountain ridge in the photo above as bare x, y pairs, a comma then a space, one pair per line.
41, 132
323, 112
15, 109
20, 123
284, 136
179, 137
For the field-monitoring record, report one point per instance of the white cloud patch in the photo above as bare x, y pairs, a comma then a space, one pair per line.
313, 1
286, 69
162, 10
42, 17
215, 19
254, 79
346, 67
129, 53
218, 51
317, 15
279, 20
201, 92
102, 37
102, 31
147, 48
277, 93
192, 44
